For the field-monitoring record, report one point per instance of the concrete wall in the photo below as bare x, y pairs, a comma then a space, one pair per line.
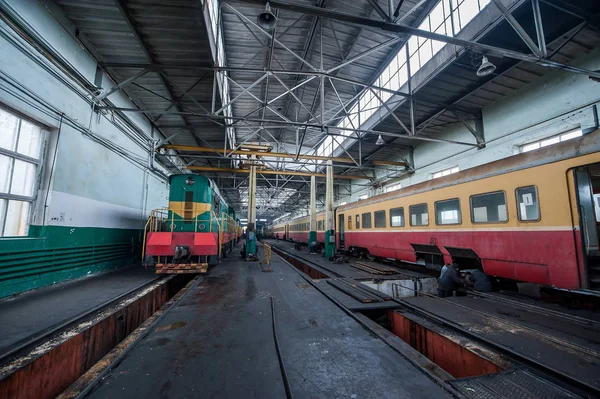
555, 103
97, 191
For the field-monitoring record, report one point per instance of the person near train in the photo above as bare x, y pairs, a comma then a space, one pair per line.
450, 282
479, 281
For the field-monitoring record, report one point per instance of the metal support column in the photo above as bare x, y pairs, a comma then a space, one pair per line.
250, 229
312, 234
329, 222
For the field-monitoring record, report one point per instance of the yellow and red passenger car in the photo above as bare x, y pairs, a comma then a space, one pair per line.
531, 217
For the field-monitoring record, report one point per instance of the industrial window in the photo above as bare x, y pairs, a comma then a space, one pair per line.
489, 208
528, 204
357, 221
397, 217
380, 219
366, 220
418, 215
21, 145
551, 140
393, 187
447, 212
444, 172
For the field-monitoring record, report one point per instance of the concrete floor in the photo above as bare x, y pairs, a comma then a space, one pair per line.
36, 311
218, 343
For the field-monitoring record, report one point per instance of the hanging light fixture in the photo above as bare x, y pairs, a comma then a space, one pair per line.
380, 140
486, 67
267, 20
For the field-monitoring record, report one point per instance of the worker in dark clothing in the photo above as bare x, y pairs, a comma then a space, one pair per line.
450, 281
480, 281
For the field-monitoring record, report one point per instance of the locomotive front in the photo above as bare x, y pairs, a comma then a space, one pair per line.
184, 238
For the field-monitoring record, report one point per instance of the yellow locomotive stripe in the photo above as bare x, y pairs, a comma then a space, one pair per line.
196, 208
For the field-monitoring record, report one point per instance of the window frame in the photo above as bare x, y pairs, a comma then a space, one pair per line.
490, 192
435, 204
37, 162
537, 195
370, 219
403, 217
384, 219
410, 216
358, 222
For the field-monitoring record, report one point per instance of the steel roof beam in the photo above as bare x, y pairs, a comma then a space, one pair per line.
518, 28
273, 172
402, 29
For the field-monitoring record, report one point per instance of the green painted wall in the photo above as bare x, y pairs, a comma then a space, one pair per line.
53, 254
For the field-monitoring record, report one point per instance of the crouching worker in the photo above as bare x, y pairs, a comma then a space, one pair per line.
450, 281
479, 281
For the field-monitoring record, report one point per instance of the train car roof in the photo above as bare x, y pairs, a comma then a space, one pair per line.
587, 144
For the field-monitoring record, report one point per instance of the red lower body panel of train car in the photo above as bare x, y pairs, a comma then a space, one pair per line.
541, 257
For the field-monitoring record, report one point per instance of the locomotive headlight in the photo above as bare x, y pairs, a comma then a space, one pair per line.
201, 226
189, 181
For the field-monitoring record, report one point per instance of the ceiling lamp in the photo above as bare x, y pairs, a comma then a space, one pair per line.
486, 67
267, 20
380, 140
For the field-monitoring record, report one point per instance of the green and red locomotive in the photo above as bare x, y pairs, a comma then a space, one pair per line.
194, 232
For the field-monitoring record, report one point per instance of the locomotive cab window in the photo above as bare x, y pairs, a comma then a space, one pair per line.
528, 204
489, 208
448, 212
357, 222
366, 220
380, 219
419, 215
397, 217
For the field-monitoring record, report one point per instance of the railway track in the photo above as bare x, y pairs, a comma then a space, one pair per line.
589, 355
40, 337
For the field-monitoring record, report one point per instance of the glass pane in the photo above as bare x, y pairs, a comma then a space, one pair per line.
16, 218
366, 220
357, 221
397, 217
448, 212
30, 139
530, 147
5, 168
8, 130
23, 180
489, 208
418, 215
3, 203
553, 140
380, 219
529, 208
572, 135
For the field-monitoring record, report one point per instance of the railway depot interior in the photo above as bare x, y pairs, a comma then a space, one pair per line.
232, 198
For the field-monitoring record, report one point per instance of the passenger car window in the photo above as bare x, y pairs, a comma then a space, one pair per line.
397, 217
448, 212
357, 222
528, 203
349, 222
418, 215
489, 208
380, 219
366, 220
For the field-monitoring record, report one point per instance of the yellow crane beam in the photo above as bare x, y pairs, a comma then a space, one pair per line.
270, 172
190, 148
